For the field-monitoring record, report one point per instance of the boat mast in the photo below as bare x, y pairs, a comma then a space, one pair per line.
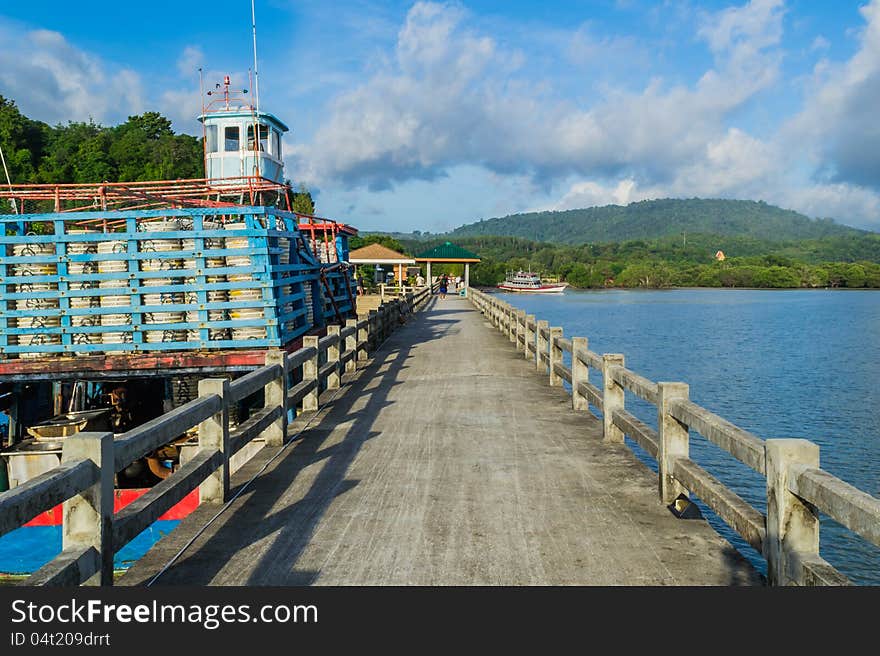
256, 72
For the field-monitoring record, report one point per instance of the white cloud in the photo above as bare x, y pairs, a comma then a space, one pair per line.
838, 127
750, 27
591, 193
191, 59
57, 82
450, 96
820, 43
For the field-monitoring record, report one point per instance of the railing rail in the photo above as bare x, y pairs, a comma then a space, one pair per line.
84, 480
787, 536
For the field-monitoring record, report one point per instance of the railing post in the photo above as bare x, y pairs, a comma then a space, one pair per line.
373, 325
530, 336
520, 327
88, 516
275, 394
351, 345
792, 524
673, 440
333, 352
612, 397
383, 323
363, 338
214, 434
310, 372
542, 346
555, 356
511, 323
580, 373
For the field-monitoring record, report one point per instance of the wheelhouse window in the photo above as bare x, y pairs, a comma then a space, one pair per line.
276, 143
264, 137
211, 138
231, 138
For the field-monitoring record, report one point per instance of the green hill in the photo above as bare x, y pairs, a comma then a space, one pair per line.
653, 219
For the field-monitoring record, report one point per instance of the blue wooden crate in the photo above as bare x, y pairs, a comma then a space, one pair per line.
49, 294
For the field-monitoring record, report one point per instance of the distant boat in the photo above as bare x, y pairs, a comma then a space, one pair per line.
526, 281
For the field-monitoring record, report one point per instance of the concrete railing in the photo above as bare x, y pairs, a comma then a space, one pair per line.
786, 535
83, 483
394, 291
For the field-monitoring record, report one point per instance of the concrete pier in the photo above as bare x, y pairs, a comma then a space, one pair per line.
447, 460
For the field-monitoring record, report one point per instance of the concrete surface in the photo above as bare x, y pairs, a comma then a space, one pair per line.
447, 461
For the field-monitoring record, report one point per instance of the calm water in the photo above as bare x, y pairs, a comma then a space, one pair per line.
776, 363
29, 548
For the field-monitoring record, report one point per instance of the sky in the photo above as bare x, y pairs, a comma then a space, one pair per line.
429, 115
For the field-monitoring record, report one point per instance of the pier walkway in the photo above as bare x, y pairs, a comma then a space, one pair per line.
447, 460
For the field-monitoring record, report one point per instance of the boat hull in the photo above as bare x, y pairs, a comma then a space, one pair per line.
543, 289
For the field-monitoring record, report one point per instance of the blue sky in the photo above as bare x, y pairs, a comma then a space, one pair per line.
428, 115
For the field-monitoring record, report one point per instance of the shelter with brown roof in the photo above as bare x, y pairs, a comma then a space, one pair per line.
379, 254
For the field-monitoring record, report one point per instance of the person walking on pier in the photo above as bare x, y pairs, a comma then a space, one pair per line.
444, 285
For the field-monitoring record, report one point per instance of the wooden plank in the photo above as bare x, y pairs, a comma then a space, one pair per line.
592, 393
562, 371
68, 569
741, 444
563, 343
645, 436
733, 509
41, 493
813, 570
298, 391
857, 510
327, 369
144, 364
147, 508
296, 358
252, 382
326, 341
252, 427
139, 441
589, 358
638, 385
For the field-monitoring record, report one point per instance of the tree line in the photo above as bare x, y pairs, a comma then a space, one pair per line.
142, 148
835, 262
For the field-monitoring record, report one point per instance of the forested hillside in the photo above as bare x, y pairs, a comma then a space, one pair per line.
652, 219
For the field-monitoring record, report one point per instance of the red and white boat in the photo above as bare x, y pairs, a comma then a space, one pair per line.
526, 281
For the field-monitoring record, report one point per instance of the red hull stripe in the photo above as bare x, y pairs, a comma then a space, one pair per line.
122, 498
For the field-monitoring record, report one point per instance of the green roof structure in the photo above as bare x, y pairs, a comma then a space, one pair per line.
447, 252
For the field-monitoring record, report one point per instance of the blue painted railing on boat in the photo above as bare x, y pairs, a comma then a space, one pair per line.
51, 292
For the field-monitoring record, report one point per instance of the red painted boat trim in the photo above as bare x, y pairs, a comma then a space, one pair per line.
121, 499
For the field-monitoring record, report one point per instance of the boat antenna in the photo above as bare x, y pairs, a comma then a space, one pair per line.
256, 73
8, 182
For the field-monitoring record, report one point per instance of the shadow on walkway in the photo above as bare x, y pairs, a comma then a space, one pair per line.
263, 514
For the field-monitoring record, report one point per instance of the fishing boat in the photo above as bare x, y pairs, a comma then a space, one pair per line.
277, 276
527, 281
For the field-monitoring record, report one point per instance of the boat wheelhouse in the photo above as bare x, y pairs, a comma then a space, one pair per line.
527, 281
